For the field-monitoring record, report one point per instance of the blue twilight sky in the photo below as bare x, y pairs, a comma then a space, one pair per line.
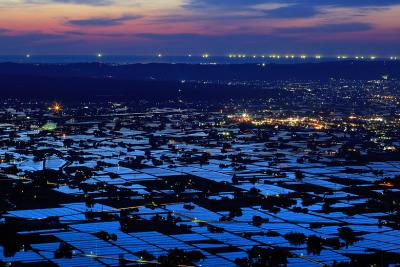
217, 27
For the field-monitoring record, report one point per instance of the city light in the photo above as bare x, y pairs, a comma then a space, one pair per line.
56, 107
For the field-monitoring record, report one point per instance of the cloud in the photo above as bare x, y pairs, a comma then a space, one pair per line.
89, 34
15, 41
286, 9
328, 28
315, 3
346, 3
102, 21
221, 3
32, 36
79, 2
172, 36
292, 11
77, 33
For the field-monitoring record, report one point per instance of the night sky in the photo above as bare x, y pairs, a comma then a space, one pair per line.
217, 27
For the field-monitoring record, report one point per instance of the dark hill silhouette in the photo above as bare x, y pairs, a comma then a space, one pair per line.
79, 88
174, 72
162, 81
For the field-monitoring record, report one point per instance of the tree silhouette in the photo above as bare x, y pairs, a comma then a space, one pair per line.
314, 245
295, 238
177, 257
348, 235
264, 257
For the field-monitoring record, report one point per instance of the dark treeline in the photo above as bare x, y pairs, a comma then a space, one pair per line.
360, 70
78, 88
163, 81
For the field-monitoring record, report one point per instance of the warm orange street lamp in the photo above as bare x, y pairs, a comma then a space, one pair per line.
56, 107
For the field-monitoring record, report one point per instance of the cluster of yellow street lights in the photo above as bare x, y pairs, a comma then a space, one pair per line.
276, 56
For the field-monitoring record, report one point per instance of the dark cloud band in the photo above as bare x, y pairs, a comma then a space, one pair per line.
102, 21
